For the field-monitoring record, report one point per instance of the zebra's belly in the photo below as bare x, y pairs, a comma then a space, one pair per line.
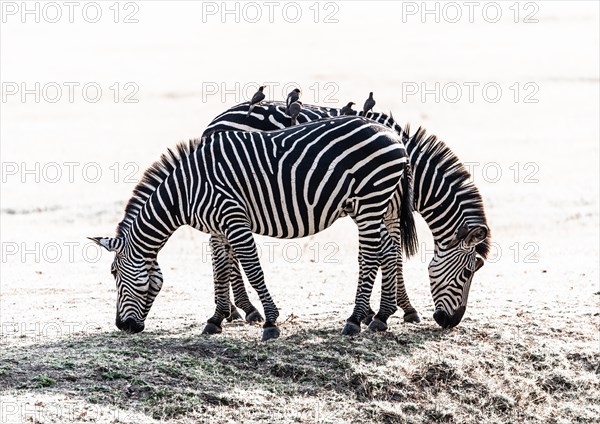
291, 227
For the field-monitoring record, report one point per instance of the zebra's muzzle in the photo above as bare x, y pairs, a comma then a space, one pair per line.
130, 325
448, 321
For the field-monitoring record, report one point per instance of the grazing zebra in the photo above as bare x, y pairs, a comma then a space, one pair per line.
287, 183
450, 204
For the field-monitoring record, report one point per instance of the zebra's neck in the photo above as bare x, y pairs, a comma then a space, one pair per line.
443, 191
159, 204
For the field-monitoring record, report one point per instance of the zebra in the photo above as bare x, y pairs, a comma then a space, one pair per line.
443, 194
309, 175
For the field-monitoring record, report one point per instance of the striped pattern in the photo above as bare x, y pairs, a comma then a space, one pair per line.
286, 183
443, 195
453, 208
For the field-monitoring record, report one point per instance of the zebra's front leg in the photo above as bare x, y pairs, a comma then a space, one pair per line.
240, 295
370, 312
234, 315
402, 300
241, 240
410, 313
221, 270
369, 241
387, 261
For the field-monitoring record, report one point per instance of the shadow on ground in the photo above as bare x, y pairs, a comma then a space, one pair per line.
388, 377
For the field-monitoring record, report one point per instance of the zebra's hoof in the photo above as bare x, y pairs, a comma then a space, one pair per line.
368, 319
253, 317
235, 314
350, 329
377, 325
270, 333
212, 329
412, 317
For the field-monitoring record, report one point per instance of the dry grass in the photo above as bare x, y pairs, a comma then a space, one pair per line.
519, 372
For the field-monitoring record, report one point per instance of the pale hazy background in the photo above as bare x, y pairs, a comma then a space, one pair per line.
171, 55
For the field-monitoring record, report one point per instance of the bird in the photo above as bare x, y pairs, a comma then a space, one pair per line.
295, 109
369, 104
347, 110
258, 97
293, 96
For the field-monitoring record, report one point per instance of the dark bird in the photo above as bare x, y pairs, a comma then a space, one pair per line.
291, 98
369, 104
347, 110
258, 97
295, 109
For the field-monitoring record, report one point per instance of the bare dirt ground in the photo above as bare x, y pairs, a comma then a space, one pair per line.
528, 347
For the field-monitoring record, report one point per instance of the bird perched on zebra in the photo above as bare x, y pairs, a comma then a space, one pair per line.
347, 110
288, 183
444, 195
292, 97
294, 110
369, 104
258, 97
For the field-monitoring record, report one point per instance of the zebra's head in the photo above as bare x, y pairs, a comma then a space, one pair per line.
451, 271
138, 283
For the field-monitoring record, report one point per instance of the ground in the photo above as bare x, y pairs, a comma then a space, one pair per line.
528, 347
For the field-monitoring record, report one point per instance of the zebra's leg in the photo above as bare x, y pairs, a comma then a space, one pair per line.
235, 314
240, 295
387, 259
221, 271
370, 312
240, 237
369, 244
216, 244
410, 313
239, 291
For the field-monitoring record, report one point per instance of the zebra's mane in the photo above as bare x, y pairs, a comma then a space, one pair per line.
436, 151
153, 177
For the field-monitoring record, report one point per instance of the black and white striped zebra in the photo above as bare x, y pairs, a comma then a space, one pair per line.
287, 183
443, 194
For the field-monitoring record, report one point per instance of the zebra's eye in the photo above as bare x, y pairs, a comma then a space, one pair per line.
467, 273
113, 271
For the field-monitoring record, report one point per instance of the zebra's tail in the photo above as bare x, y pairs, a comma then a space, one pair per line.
408, 230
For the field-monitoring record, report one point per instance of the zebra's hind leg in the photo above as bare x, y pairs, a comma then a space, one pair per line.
221, 270
387, 257
369, 240
240, 295
240, 238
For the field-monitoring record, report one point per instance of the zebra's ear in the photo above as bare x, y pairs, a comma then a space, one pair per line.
110, 244
470, 235
478, 263
459, 236
476, 235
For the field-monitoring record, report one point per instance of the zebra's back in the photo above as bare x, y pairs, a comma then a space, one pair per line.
297, 181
